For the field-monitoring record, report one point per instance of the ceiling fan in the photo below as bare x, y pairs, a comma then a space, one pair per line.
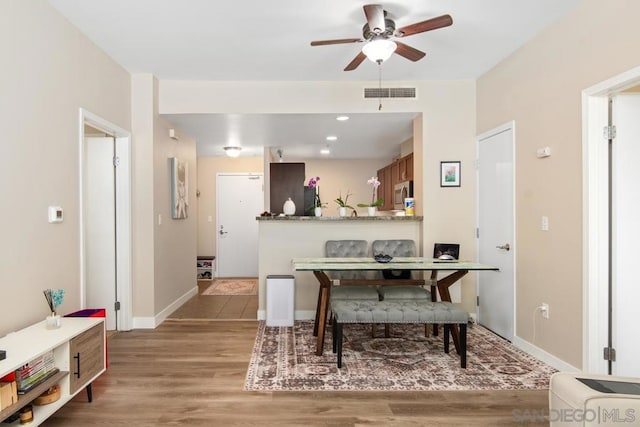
381, 36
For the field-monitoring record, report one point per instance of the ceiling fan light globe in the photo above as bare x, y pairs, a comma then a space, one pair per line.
379, 51
232, 151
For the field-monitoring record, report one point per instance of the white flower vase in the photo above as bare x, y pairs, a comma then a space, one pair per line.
342, 211
53, 321
371, 210
318, 211
289, 208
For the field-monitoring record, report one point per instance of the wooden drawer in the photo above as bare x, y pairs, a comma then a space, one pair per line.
86, 357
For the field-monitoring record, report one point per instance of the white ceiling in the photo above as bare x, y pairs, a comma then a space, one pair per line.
258, 40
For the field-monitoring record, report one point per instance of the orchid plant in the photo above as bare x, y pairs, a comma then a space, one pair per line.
343, 203
375, 202
313, 183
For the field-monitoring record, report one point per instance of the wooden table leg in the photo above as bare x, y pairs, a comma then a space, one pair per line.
322, 309
315, 320
433, 279
443, 290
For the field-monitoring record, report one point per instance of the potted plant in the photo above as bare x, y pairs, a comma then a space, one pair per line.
375, 202
317, 204
342, 204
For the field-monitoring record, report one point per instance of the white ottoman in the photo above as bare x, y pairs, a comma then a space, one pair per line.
573, 403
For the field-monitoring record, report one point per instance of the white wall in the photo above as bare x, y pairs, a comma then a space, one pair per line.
540, 87
164, 248
49, 70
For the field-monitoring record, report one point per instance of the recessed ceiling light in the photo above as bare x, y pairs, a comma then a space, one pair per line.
332, 138
342, 118
325, 151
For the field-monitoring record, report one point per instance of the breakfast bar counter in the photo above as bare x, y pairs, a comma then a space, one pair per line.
282, 238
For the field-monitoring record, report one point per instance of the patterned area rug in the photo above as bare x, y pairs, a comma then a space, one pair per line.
232, 287
284, 359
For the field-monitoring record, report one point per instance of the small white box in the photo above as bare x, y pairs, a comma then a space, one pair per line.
280, 300
56, 214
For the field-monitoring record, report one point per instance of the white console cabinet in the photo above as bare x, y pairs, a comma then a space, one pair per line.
79, 351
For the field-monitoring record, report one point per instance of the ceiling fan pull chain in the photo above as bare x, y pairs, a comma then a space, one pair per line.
379, 85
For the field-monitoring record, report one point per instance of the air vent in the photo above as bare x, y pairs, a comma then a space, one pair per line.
389, 92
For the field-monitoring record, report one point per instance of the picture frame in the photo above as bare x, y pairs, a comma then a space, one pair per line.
450, 174
179, 188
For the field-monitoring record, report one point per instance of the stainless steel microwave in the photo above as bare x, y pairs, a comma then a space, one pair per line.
401, 191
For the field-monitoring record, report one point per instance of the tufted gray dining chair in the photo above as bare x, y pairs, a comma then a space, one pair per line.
399, 248
347, 249
413, 291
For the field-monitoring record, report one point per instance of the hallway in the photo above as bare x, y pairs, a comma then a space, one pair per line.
217, 307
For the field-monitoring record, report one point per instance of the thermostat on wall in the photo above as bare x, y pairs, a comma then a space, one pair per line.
55, 214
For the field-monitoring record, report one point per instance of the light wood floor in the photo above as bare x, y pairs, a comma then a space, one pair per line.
192, 373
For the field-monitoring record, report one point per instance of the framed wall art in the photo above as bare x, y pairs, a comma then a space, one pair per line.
179, 188
450, 174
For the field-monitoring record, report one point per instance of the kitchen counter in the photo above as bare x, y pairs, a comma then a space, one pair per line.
283, 238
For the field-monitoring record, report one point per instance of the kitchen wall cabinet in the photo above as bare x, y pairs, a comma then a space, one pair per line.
385, 190
399, 171
405, 168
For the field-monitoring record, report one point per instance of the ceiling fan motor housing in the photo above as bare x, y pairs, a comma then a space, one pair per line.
389, 29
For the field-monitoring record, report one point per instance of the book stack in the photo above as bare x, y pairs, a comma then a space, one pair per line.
35, 372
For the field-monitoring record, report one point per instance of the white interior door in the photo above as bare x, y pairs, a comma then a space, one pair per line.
626, 233
100, 228
239, 199
496, 246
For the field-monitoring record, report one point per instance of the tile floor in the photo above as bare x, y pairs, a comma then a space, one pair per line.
218, 307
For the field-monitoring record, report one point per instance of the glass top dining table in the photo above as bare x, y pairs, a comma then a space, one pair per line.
319, 267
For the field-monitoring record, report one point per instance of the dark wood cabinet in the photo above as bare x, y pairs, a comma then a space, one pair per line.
399, 171
405, 168
395, 172
386, 188
287, 180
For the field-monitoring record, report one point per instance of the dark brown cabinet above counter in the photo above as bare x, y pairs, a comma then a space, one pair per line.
399, 171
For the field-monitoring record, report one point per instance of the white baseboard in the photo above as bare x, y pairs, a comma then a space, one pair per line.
542, 355
153, 322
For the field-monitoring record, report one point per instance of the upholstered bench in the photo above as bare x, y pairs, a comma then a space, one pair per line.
399, 311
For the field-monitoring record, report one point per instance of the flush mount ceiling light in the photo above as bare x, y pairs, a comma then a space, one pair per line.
379, 50
342, 118
232, 151
332, 138
325, 151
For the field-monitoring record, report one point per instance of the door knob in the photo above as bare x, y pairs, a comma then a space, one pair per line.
506, 247
222, 232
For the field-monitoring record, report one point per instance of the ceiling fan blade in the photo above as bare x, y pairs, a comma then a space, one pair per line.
428, 25
337, 41
375, 17
411, 53
356, 61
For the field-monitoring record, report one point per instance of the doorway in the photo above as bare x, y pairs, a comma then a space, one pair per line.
496, 230
105, 220
610, 228
239, 199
